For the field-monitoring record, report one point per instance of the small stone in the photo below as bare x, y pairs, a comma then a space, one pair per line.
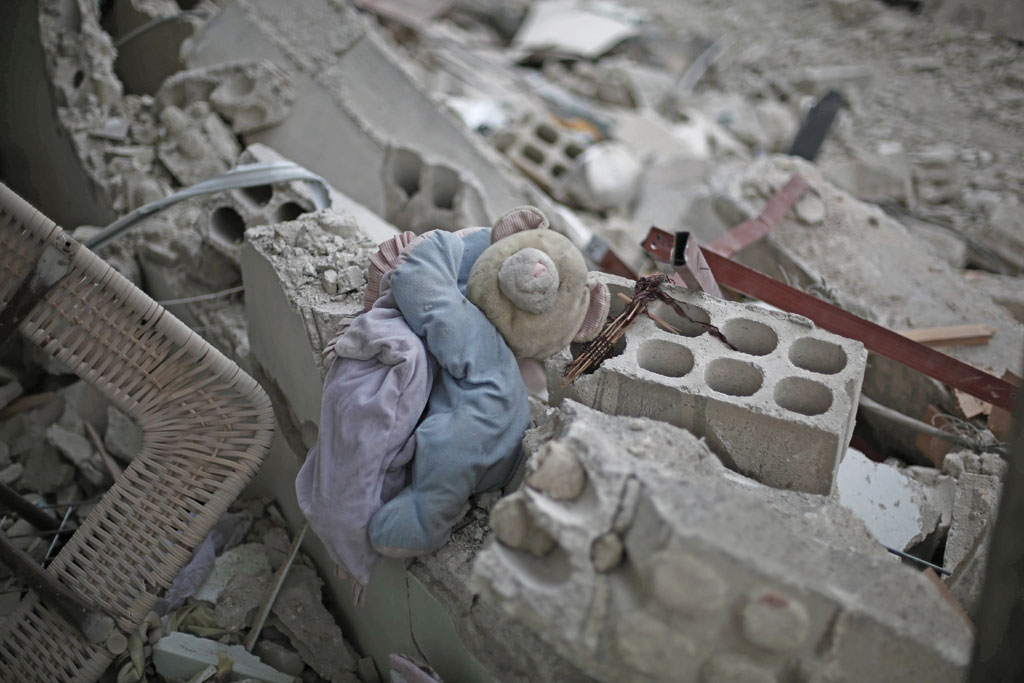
560, 474
11, 473
240, 599
775, 622
72, 446
810, 209
123, 437
280, 657
351, 278
685, 584
329, 280
636, 425
45, 472
514, 527
249, 559
606, 552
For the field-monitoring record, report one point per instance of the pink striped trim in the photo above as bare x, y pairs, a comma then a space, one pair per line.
517, 220
382, 262
465, 232
597, 313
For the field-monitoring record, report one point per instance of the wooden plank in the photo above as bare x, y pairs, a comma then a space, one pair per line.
955, 335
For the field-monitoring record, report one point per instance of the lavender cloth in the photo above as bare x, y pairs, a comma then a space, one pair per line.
375, 392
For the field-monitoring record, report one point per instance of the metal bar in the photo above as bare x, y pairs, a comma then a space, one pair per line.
601, 253
876, 338
29, 512
92, 624
748, 232
905, 556
816, 125
275, 588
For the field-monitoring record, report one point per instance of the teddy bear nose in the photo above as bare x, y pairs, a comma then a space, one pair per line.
540, 270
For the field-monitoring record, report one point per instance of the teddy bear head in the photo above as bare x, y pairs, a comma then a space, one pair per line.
532, 284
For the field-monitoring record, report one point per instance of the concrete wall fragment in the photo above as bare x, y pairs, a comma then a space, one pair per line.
715, 578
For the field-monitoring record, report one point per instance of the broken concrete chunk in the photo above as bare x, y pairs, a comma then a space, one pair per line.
78, 450
248, 560
301, 615
975, 505
719, 579
197, 145
123, 437
45, 471
241, 597
179, 656
280, 657
251, 94
895, 507
10, 387
11, 473
276, 543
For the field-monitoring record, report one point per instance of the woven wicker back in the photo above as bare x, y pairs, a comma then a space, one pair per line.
206, 428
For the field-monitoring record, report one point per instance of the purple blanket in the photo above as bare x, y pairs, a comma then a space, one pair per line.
375, 392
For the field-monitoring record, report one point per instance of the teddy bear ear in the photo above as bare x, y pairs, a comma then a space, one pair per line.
597, 312
517, 220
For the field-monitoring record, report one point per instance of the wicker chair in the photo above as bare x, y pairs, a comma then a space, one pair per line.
206, 428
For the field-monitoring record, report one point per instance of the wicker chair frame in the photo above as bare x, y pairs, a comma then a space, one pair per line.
206, 428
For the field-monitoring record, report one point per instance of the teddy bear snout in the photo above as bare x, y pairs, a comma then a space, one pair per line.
529, 279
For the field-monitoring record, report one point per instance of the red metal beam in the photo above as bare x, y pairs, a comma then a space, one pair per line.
876, 338
748, 232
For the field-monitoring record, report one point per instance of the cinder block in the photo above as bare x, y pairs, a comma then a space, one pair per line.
541, 149
664, 565
780, 409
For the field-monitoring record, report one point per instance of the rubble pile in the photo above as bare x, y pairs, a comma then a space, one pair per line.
691, 508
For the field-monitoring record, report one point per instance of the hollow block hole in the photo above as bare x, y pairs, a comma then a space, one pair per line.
817, 355
754, 338
259, 195
733, 377
547, 134
288, 211
685, 327
445, 186
804, 396
533, 154
665, 358
227, 225
407, 170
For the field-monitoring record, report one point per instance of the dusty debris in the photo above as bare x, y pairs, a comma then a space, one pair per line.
251, 94
299, 613
181, 656
597, 27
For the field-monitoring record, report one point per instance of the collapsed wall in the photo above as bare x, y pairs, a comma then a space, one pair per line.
641, 557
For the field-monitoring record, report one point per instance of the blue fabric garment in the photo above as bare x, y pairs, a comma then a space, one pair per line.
469, 439
374, 394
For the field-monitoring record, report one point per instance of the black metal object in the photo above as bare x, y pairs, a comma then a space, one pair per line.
816, 125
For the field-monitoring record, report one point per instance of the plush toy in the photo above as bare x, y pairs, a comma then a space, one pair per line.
474, 300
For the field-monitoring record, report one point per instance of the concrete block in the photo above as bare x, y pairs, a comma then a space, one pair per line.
251, 94
780, 409
891, 278
123, 437
10, 387
180, 656
721, 578
542, 149
356, 103
197, 144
